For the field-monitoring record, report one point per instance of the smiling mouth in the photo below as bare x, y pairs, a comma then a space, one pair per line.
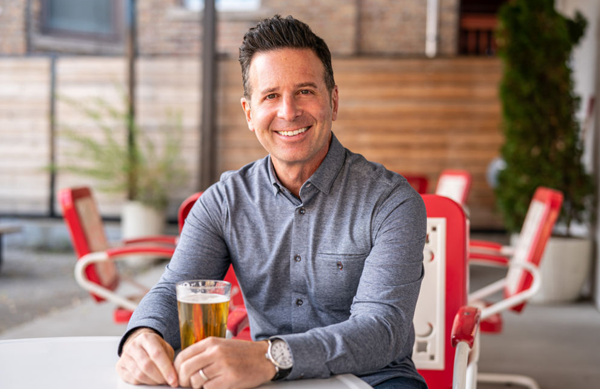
293, 133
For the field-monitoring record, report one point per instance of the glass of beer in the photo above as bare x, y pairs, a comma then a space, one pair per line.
203, 307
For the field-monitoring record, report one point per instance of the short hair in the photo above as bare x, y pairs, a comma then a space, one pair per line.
279, 33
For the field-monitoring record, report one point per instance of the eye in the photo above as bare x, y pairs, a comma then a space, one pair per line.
270, 96
304, 92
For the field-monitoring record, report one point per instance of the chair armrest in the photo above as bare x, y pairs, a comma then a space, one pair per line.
486, 291
479, 258
108, 255
161, 239
464, 334
489, 253
138, 250
466, 323
517, 298
485, 244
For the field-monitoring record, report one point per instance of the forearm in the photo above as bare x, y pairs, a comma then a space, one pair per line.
365, 343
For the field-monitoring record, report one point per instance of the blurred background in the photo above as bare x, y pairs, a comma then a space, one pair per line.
419, 92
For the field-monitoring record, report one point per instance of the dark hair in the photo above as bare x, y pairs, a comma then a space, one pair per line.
279, 33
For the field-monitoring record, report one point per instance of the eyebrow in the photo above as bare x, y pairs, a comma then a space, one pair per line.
305, 84
301, 85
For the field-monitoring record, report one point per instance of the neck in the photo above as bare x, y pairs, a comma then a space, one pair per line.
294, 175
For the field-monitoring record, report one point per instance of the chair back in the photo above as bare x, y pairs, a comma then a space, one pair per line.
537, 228
444, 290
418, 182
87, 234
185, 208
454, 184
237, 299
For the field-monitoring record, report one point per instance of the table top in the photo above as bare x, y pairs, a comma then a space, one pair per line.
89, 362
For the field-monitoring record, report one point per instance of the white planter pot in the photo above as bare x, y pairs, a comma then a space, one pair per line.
139, 220
565, 267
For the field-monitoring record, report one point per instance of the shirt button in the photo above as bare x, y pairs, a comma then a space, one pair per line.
302, 211
299, 302
297, 258
340, 265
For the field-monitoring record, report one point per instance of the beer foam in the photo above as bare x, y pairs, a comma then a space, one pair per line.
203, 298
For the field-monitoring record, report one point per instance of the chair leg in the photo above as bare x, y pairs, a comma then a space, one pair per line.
507, 379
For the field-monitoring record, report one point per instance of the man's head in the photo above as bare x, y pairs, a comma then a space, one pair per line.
279, 33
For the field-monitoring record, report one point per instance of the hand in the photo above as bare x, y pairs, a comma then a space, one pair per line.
147, 359
227, 363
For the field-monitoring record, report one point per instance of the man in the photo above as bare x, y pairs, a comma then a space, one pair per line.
327, 246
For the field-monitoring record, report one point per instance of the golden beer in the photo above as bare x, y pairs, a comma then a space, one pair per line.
202, 315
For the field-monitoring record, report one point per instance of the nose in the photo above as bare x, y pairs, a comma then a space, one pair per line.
289, 108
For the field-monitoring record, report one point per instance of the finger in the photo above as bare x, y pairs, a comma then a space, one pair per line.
130, 373
188, 369
191, 351
197, 380
161, 355
217, 383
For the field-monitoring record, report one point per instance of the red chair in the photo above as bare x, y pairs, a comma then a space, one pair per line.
454, 184
445, 328
418, 182
237, 322
96, 270
523, 278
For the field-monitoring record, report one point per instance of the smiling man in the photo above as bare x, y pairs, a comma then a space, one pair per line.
327, 246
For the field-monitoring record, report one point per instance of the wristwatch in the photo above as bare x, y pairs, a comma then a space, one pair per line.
280, 355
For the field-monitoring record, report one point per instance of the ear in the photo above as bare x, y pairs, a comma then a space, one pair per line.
247, 112
334, 103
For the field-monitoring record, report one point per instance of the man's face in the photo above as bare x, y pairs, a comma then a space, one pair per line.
290, 109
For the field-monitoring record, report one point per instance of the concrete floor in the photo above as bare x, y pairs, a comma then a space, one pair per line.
557, 345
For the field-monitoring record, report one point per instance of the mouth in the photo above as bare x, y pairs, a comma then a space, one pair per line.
293, 133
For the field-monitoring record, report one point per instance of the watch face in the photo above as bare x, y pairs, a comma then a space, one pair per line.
281, 353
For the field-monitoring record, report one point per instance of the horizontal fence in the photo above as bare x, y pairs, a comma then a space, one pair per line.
415, 116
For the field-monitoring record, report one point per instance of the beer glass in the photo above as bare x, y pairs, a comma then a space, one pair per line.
203, 307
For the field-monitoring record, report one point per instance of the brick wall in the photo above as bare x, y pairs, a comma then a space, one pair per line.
13, 38
350, 27
398, 27
375, 27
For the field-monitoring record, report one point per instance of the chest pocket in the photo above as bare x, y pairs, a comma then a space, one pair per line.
336, 281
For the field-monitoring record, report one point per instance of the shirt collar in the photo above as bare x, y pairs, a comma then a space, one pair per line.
325, 174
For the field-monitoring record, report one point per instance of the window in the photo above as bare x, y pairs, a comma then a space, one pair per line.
78, 26
96, 20
224, 5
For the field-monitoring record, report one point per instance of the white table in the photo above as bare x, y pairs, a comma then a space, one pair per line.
89, 362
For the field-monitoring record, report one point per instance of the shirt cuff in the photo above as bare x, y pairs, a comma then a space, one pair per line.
309, 357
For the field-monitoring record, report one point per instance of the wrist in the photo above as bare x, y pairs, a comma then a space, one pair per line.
280, 356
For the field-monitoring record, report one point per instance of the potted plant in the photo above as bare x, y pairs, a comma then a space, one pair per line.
542, 135
147, 170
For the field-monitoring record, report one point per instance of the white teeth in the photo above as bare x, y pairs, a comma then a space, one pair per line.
292, 133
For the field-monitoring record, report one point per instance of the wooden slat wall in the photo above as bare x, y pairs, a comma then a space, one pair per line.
415, 116
24, 134
163, 85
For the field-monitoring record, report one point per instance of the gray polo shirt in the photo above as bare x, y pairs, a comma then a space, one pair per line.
336, 273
